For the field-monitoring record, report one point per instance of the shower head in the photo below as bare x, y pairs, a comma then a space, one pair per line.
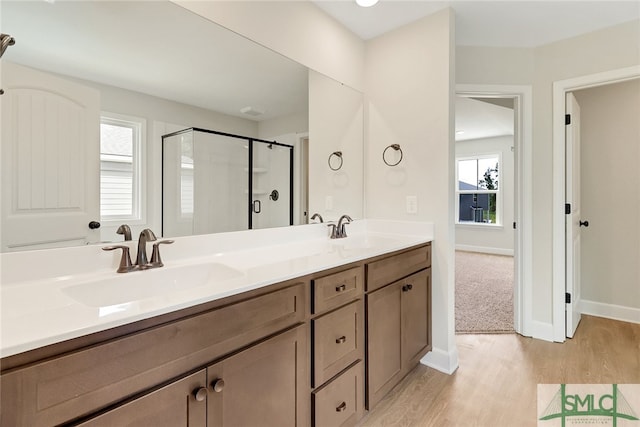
5, 41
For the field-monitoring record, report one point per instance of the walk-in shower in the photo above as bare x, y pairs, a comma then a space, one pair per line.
214, 182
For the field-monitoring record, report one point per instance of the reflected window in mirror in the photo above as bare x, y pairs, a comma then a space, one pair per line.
121, 174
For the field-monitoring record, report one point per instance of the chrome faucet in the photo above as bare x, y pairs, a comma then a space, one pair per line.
145, 236
317, 216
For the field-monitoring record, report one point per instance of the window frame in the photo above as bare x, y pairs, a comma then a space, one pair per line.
138, 153
498, 192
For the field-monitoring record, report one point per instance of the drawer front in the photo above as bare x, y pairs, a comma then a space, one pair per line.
338, 341
395, 267
340, 403
337, 289
79, 383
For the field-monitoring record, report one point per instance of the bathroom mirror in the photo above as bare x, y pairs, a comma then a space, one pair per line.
167, 68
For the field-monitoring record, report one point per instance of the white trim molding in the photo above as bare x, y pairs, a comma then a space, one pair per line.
610, 311
440, 360
485, 250
560, 89
523, 215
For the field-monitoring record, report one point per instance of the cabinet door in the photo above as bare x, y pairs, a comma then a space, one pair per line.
384, 319
416, 318
174, 405
264, 385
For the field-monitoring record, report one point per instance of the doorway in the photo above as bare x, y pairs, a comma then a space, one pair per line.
519, 225
484, 214
567, 284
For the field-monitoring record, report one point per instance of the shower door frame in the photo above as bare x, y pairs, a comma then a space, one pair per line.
250, 141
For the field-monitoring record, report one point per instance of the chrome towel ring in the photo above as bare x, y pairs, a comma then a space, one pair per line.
396, 147
338, 155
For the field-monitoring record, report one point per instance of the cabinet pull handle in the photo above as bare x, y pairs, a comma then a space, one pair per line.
407, 287
342, 407
341, 340
217, 385
341, 288
200, 394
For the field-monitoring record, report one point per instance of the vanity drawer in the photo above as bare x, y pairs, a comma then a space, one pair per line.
336, 289
340, 403
338, 341
395, 267
78, 383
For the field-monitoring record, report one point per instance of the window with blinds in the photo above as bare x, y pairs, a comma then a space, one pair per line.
120, 171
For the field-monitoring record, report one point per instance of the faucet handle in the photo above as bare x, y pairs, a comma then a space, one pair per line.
156, 261
125, 260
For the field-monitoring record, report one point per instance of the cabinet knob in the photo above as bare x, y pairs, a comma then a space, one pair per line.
341, 288
342, 407
341, 340
200, 394
218, 385
407, 287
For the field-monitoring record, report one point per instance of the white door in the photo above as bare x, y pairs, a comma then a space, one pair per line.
573, 221
50, 160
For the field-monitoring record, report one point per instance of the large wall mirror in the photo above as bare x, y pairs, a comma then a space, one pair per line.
92, 87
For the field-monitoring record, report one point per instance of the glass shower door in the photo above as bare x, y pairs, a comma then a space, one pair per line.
271, 185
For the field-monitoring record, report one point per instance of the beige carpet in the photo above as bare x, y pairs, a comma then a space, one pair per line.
484, 293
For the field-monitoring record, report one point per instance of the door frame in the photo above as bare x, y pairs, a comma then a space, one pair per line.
559, 267
523, 248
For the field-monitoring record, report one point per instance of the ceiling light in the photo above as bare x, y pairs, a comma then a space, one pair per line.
252, 111
459, 132
366, 3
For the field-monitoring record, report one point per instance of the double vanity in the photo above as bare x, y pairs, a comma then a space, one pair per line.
277, 327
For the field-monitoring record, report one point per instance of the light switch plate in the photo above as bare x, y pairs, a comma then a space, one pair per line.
412, 204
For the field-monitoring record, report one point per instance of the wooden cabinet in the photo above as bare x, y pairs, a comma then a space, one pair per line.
398, 325
181, 403
291, 354
261, 385
338, 336
76, 384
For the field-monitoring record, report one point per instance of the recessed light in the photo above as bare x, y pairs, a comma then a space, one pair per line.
366, 3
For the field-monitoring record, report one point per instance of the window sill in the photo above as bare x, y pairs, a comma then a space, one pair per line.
479, 225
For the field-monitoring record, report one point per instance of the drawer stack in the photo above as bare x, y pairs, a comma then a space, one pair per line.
337, 329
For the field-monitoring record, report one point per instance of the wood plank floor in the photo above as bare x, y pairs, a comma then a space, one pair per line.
496, 382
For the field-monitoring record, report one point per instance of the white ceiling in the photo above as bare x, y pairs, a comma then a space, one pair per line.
157, 48
478, 119
489, 23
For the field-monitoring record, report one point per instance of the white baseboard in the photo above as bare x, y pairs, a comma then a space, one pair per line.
485, 250
542, 331
610, 311
440, 360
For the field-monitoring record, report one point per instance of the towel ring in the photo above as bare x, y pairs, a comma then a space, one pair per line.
396, 147
338, 154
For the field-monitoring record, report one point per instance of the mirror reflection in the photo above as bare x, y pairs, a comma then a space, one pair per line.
147, 69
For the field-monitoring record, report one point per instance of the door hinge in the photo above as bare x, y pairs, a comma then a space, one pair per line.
567, 298
514, 225
567, 208
567, 119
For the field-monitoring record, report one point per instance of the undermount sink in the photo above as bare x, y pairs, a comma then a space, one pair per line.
357, 243
140, 285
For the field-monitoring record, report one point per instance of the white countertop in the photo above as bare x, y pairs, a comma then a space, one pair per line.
54, 295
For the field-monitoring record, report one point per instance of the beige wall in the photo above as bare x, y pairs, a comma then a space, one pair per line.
296, 29
608, 49
409, 97
610, 144
491, 239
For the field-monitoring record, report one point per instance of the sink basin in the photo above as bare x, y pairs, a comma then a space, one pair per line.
140, 285
362, 243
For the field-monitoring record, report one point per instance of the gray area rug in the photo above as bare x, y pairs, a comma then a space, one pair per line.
484, 293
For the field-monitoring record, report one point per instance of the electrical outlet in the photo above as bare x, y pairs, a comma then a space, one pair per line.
328, 203
412, 204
